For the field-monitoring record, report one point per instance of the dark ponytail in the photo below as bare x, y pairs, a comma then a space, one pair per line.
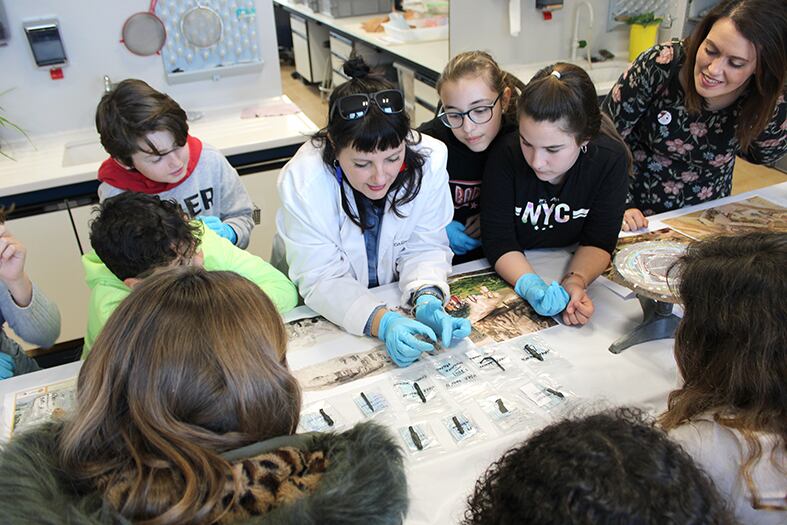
376, 131
565, 92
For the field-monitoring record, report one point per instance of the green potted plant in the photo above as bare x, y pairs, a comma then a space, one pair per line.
5, 123
643, 32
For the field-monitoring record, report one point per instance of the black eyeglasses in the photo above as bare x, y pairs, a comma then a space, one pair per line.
477, 114
353, 107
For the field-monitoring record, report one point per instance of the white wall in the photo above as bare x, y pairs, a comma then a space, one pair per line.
483, 24
91, 35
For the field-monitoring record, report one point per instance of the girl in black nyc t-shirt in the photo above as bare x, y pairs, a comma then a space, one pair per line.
479, 106
561, 180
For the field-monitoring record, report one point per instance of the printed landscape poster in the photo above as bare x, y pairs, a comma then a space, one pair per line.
735, 218
496, 311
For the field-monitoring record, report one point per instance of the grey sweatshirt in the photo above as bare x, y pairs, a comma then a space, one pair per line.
214, 188
38, 323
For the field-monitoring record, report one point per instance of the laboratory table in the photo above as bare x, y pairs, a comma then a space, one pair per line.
440, 481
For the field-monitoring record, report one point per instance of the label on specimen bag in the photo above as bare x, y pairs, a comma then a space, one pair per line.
462, 428
371, 403
545, 395
417, 389
454, 372
488, 360
505, 413
417, 437
320, 417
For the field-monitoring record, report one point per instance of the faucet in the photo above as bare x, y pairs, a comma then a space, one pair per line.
108, 85
576, 43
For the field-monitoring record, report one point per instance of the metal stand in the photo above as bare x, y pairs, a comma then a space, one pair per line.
658, 322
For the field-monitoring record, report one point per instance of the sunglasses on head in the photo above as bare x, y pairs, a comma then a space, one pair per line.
354, 107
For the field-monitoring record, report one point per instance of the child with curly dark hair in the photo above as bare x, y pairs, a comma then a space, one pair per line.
135, 235
731, 412
608, 468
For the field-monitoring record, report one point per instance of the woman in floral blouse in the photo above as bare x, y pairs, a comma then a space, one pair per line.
686, 109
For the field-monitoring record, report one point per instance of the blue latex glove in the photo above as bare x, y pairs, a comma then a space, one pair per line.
429, 310
460, 242
6, 366
398, 332
545, 300
221, 229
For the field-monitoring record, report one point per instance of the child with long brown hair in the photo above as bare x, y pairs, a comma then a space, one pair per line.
186, 414
478, 103
731, 350
561, 180
687, 109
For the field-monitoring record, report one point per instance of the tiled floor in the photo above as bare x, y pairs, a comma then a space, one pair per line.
746, 176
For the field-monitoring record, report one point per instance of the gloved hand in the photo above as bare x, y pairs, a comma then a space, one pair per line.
221, 229
398, 332
6, 366
545, 300
460, 242
429, 310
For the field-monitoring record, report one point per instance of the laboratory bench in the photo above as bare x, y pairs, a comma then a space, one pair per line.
51, 182
322, 43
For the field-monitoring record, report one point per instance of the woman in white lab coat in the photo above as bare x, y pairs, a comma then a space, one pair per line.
366, 203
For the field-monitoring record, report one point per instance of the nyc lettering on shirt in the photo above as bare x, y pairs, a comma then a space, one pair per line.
545, 214
199, 202
466, 193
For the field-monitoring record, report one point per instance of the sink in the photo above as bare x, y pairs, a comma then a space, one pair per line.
83, 152
603, 74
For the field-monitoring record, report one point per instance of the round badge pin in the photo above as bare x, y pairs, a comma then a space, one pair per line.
664, 118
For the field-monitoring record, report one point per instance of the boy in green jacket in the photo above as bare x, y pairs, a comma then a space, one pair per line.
135, 234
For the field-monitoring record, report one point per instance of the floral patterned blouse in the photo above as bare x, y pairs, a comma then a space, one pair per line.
681, 159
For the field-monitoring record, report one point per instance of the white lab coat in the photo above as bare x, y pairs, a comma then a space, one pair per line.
325, 250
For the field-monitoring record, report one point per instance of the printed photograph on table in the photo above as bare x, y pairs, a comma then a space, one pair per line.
42, 404
306, 332
494, 308
343, 369
735, 218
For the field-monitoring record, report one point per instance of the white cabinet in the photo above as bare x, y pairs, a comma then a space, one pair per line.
310, 47
82, 215
262, 189
426, 100
341, 51
420, 96
54, 264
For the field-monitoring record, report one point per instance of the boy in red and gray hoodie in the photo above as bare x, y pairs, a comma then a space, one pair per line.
146, 135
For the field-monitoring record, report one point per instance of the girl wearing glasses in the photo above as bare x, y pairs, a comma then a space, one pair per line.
366, 203
686, 109
561, 180
476, 96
